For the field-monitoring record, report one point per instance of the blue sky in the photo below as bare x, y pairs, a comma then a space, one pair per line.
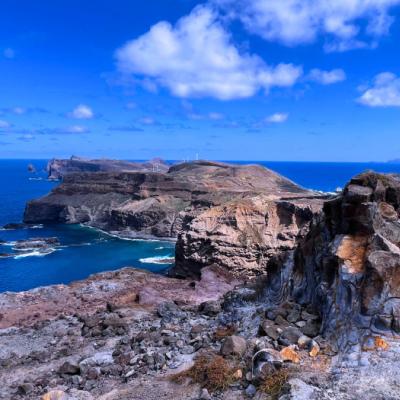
302, 80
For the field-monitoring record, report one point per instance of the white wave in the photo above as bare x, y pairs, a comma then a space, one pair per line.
9, 244
35, 179
159, 248
124, 237
35, 253
157, 260
38, 226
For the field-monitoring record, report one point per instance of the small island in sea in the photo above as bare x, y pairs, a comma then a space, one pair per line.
269, 281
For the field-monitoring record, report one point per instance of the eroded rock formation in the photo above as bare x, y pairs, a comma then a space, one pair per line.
244, 235
348, 266
156, 204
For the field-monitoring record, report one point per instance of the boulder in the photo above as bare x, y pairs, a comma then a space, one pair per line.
234, 345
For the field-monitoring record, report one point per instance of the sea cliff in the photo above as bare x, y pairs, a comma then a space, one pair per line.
284, 293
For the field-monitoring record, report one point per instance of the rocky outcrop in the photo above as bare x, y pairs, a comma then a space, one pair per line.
58, 168
348, 266
155, 204
244, 235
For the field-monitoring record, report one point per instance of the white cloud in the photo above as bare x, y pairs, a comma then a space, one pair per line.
384, 92
196, 58
27, 137
327, 77
147, 121
345, 24
9, 53
76, 129
214, 116
18, 110
4, 124
82, 112
277, 118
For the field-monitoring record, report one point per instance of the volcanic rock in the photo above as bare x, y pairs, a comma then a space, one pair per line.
237, 217
234, 345
58, 168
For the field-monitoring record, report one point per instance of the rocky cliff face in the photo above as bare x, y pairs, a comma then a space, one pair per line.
244, 235
58, 168
348, 266
155, 204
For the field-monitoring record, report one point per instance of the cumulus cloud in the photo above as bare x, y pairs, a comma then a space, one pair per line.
384, 91
82, 111
327, 77
345, 24
196, 58
277, 118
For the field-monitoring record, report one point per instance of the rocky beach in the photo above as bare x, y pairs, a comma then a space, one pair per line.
277, 292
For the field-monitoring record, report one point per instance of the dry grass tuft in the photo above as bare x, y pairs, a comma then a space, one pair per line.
273, 384
210, 371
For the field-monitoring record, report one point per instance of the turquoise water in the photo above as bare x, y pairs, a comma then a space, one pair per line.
85, 251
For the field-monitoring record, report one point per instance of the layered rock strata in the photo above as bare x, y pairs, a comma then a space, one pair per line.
259, 211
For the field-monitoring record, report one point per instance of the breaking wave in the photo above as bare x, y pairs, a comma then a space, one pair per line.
157, 260
35, 253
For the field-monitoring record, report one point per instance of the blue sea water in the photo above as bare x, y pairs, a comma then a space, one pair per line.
85, 251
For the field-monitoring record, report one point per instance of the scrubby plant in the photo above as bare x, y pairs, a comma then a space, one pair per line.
273, 384
211, 371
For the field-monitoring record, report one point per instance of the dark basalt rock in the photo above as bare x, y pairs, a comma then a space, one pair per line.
348, 265
36, 243
14, 226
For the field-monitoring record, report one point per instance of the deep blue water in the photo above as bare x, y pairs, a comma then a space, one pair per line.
85, 251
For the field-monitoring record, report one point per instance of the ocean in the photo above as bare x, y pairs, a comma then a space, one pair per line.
84, 251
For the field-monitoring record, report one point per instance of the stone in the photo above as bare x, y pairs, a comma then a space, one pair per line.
294, 315
311, 328
289, 354
303, 341
381, 343
169, 310
234, 345
210, 308
270, 329
25, 388
290, 335
55, 395
204, 395
69, 368
313, 348
238, 374
251, 391
299, 390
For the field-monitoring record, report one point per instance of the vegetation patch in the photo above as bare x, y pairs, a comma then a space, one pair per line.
273, 383
210, 371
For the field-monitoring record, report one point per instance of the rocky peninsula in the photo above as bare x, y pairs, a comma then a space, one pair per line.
284, 293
